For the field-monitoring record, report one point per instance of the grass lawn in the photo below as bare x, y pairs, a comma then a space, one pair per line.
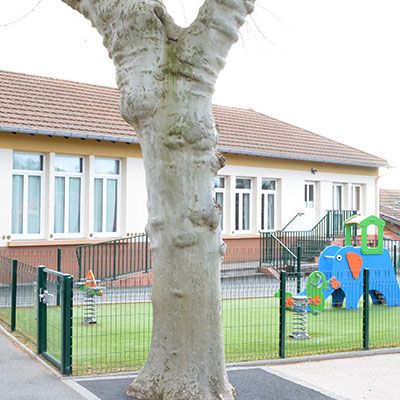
121, 338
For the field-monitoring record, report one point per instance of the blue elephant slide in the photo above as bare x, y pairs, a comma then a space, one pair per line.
346, 264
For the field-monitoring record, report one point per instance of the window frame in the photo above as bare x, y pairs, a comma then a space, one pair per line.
264, 205
335, 186
26, 173
353, 191
105, 177
241, 193
67, 176
224, 202
307, 202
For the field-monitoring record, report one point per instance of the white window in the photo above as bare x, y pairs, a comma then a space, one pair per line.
242, 204
219, 193
309, 195
337, 194
106, 195
356, 197
68, 195
268, 204
27, 195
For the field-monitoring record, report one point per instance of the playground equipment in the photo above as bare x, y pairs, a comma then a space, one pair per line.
347, 263
91, 291
299, 320
340, 271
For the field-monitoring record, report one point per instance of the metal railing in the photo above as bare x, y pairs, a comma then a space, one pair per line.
114, 258
275, 253
275, 245
299, 214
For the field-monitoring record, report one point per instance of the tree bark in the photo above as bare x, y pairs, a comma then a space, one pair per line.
166, 76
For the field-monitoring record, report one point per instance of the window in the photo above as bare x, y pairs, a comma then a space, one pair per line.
356, 197
337, 193
219, 192
67, 194
309, 195
242, 204
268, 204
27, 194
106, 195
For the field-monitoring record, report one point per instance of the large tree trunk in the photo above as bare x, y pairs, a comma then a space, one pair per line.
166, 76
187, 358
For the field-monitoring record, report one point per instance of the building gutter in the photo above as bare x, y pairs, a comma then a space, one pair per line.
222, 149
71, 135
258, 153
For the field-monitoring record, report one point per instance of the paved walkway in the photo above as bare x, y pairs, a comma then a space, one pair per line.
376, 377
363, 378
24, 378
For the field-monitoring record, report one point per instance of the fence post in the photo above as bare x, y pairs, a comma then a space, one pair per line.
298, 269
41, 311
282, 314
115, 260
395, 257
66, 325
366, 309
328, 224
146, 255
14, 295
59, 258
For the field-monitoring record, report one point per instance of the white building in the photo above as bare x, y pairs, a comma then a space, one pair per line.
72, 170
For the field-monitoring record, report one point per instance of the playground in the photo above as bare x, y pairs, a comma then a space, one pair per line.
104, 325
120, 339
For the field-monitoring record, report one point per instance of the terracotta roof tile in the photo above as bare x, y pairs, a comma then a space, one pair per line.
389, 202
32, 103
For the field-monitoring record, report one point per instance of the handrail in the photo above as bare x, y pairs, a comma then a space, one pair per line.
299, 214
312, 241
283, 245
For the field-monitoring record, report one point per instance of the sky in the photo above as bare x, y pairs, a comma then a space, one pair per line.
329, 66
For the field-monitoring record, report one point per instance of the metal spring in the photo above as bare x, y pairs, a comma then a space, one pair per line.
299, 319
89, 310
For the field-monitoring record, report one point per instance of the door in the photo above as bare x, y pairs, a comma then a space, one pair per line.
309, 205
337, 206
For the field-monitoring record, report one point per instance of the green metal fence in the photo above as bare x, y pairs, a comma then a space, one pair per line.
257, 325
115, 257
54, 327
36, 305
111, 331
7, 313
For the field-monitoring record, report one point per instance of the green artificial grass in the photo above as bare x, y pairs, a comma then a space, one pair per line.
121, 338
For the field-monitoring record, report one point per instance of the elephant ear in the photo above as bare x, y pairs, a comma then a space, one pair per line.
355, 263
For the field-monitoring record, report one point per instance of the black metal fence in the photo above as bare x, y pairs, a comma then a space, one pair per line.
278, 248
115, 257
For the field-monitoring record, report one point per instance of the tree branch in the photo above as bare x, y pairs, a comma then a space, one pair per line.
207, 41
135, 33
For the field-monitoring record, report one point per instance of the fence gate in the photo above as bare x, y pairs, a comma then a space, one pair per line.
54, 318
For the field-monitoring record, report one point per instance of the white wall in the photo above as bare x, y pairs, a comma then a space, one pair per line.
291, 193
133, 212
6, 198
135, 208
